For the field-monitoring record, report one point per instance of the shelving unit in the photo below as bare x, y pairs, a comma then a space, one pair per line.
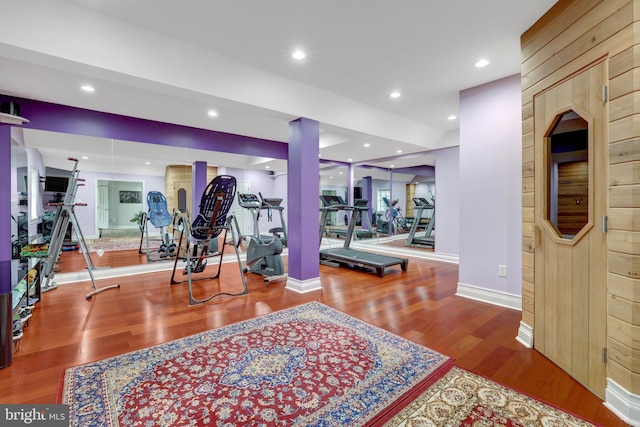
30, 281
11, 119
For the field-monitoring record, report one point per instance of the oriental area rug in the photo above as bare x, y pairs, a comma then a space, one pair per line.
309, 365
461, 398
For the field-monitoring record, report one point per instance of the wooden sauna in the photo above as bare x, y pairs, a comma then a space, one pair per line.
581, 288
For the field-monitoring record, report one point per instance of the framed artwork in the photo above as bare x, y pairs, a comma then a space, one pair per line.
130, 196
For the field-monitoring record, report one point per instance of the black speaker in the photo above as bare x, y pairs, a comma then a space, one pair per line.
47, 228
10, 107
357, 193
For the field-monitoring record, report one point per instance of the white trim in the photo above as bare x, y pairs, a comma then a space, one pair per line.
374, 245
303, 286
624, 404
490, 296
525, 335
108, 272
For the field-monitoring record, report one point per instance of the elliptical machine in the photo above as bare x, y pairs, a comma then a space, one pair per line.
263, 253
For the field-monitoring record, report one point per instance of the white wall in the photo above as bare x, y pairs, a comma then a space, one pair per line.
490, 186
259, 182
87, 215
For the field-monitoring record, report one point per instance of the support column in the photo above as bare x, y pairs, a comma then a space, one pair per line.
391, 225
199, 185
367, 194
6, 304
303, 187
350, 199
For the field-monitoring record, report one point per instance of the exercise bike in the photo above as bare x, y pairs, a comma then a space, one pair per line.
263, 254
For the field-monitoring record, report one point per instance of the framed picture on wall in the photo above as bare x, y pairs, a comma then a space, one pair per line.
130, 196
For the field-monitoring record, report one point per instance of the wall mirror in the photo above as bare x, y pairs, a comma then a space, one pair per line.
117, 176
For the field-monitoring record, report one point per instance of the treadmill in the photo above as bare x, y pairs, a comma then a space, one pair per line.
426, 239
345, 255
359, 233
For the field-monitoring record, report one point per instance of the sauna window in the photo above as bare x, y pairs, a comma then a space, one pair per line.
568, 174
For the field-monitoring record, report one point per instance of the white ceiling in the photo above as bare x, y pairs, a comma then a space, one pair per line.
172, 61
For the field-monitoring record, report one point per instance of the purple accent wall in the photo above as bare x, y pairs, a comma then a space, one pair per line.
6, 325
78, 121
302, 192
5, 209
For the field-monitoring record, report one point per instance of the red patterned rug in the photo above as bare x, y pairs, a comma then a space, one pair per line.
461, 398
309, 365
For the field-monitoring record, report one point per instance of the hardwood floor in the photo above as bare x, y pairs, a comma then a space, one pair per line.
420, 305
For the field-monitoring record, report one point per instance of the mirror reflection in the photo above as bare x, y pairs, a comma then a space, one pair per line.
396, 199
117, 179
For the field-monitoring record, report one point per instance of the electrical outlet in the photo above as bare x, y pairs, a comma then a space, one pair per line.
502, 270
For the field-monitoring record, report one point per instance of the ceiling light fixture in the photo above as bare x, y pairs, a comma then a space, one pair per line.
147, 163
482, 63
452, 117
88, 88
398, 151
267, 167
212, 113
85, 158
394, 94
367, 145
298, 55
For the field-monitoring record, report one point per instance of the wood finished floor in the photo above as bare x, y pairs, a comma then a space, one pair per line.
67, 330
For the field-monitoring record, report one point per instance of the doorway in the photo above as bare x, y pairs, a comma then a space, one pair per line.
570, 207
118, 202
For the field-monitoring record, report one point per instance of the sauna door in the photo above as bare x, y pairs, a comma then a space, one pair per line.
570, 203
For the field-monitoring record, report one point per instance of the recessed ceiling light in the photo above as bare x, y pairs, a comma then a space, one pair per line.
367, 145
452, 117
340, 173
147, 163
299, 55
88, 88
398, 151
482, 63
391, 166
212, 113
349, 160
267, 167
394, 94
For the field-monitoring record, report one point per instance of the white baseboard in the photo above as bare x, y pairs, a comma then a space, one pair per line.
624, 404
303, 286
525, 335
490, 296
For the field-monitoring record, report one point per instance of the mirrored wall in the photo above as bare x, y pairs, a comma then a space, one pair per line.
116, 178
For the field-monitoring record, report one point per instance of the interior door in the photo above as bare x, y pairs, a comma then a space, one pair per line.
571, 201
103, 206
